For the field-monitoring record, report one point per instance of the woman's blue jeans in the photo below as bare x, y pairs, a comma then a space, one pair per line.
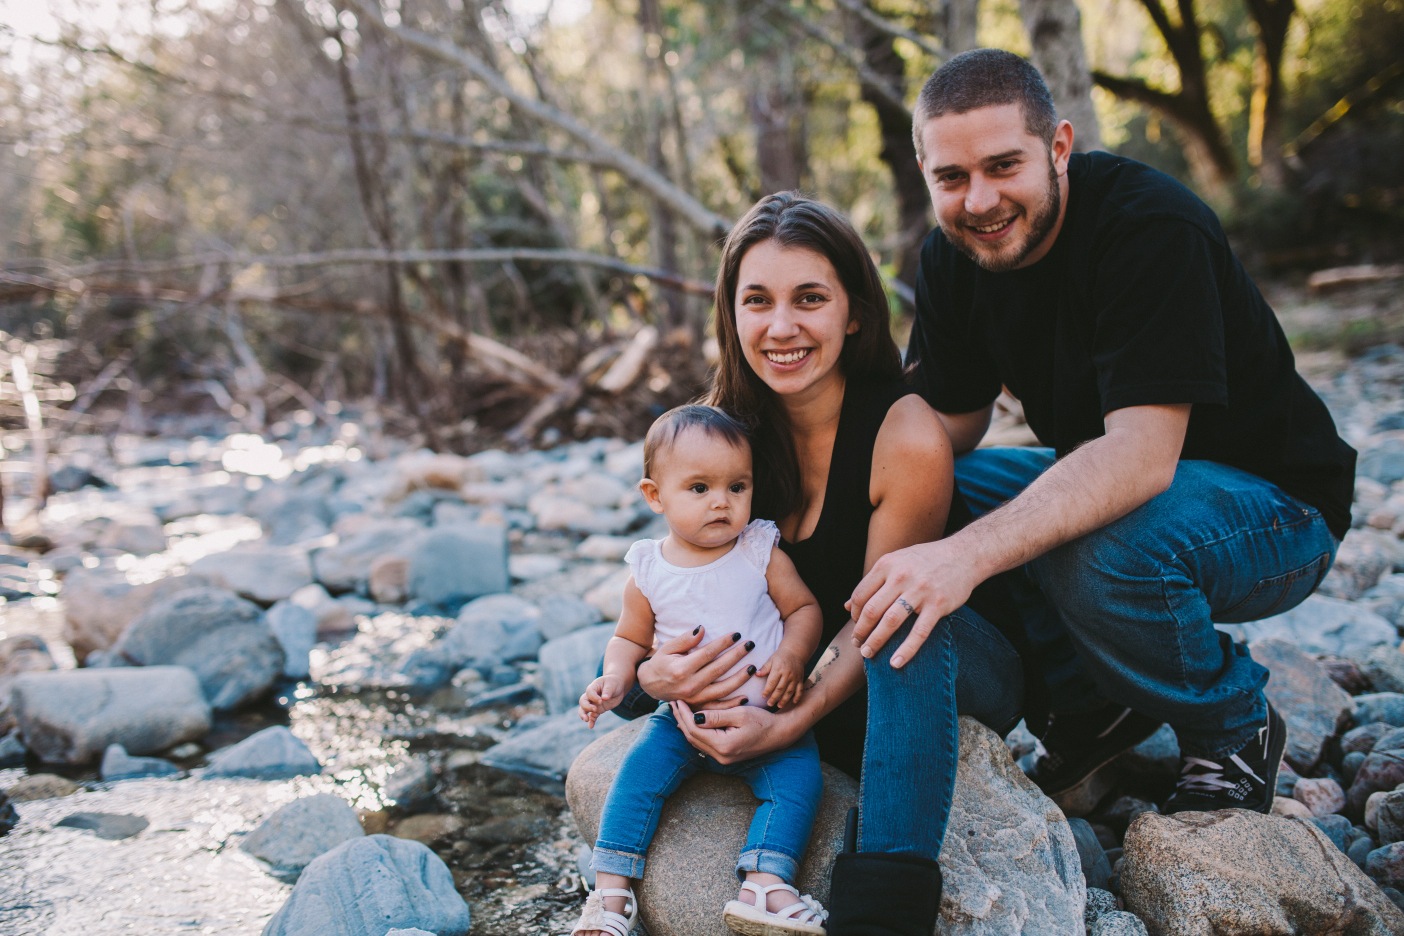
1128, 612
966, 667
787, 783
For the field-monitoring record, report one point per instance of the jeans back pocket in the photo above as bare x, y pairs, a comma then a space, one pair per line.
1278, 593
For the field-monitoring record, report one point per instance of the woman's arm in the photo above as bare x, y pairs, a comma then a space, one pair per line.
912, 481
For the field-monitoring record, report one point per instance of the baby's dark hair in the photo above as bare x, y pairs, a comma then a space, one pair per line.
711, 420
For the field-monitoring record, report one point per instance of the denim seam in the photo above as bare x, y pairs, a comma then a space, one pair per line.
655, 808
1254, 531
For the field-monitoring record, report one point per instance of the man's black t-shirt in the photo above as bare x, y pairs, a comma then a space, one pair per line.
1140, 301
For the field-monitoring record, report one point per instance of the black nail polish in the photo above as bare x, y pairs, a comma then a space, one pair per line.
700, 718
750, 645
745, 701
735, 637
751, 670
696, 629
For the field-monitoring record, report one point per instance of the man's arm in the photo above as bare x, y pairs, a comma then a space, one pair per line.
1095, 484
966, 429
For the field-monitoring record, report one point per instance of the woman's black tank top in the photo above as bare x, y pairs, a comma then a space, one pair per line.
830, 560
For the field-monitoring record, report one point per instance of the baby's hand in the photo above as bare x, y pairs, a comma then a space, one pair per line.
599, 697
784, 679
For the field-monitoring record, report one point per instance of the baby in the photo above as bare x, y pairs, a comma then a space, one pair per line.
718, 570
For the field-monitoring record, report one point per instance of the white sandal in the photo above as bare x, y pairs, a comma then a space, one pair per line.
596, 917
804, 917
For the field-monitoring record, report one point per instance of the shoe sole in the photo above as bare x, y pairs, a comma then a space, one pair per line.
735, 915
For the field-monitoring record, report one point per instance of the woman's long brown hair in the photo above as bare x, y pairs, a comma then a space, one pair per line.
869, 354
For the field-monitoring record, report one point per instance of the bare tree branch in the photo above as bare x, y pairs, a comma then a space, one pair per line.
687, 207
852, 56
883, 24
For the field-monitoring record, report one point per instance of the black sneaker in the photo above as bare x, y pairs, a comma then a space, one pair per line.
1246, 779
1077, 745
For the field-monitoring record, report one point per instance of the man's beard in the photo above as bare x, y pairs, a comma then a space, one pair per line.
1041, 224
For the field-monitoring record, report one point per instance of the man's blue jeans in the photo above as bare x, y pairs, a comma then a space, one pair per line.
787, 783
1129, 610
966, 667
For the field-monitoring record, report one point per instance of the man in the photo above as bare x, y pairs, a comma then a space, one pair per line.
1190, 476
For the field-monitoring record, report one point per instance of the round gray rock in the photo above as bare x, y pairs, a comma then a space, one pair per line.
302, 830
370, 885
268, 754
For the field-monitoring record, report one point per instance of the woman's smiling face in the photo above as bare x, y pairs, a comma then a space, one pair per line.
791, 317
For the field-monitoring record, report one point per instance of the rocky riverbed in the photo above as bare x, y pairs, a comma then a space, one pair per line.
243, 676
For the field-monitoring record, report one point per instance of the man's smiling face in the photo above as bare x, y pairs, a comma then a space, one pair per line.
998, 190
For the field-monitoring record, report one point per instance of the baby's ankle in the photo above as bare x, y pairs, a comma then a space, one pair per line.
776, 899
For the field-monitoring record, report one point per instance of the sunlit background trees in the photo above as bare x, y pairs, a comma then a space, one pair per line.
468, 212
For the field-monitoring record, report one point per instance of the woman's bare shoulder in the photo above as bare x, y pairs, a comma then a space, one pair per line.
911, 431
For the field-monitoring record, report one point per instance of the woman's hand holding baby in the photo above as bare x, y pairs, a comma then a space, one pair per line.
680, 669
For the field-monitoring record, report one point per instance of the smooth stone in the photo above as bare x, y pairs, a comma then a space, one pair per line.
529, 568
1362, 739
260, 573
298, 832
270, 754
1290, 808
111, 826
71, 716
1188, 874
1387, 707
544, 752
425, 470
389, 579
223, 638
1389, 817
117, 764
569, 663
333, 617
495, 629
1337, 828
99, 604
41, 787
604, 548
21, 653
1095, 867
430, 828
295, 627
1386, 866
1387, 598
1010, 861
1323, 796
1384, 667
1383, 462
451, 565
607, 596
1364, 558
369, 885
1325, 625
1311, 704
1360, 850
563, 614
1350, 767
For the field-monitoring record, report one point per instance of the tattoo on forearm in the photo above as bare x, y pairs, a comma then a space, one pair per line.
830, 656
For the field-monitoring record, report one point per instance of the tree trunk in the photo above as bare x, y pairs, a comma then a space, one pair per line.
897, 153
962, 25
1055, 36
656, 85
1271, 20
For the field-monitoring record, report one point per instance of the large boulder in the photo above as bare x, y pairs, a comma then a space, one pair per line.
495, 629
1311, 704
98, 604
1238, 873
71, 716
300, 831
1010, 861
263, 574
222, 637
368, 886
22, 653
545, 751
448, 566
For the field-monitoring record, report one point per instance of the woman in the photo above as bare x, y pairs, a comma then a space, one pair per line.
851, 465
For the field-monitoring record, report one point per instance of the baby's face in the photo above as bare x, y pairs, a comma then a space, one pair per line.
702, 486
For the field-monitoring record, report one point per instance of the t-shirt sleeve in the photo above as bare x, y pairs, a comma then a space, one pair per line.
639, 559
946, 363
757, 541
1158, 332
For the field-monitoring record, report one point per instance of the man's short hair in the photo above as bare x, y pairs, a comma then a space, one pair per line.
712, 420
986, 78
